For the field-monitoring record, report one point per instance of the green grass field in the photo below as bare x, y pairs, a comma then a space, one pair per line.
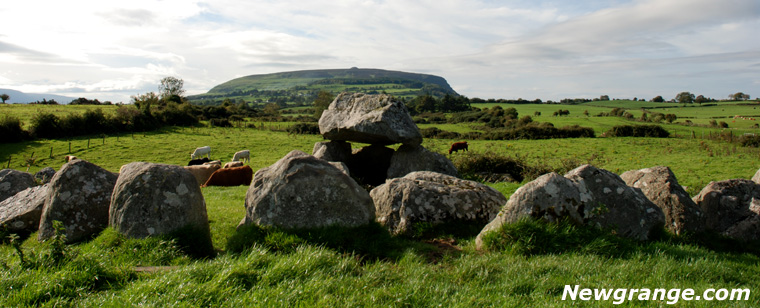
443, 270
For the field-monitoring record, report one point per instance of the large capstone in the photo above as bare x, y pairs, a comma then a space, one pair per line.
21, 213
434, 198
660, 186
585, 195
79, 197
157, 199
732, 208
13, 181
302, 191
374, 119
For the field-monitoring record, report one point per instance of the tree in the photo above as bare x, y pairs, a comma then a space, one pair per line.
700, 99
658, 99
685, 98
4, 97
604, 98
321, 103
170, 87
739, 96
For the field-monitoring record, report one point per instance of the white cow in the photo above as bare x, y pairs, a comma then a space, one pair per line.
199, 152
233, 164
243, 155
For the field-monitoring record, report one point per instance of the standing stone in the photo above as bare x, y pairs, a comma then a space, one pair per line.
45, 175
732, 208
619, 206
79, 197
408, 159
661, 187
365, 118
21, 213
302, 191
13, 181
156, 199
585, 195
434, 198
337, 151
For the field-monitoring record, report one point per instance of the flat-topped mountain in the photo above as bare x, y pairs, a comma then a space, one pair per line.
301, 87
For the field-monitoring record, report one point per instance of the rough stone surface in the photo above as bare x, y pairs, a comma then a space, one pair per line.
660, 186
756, 177
21, 213
79, 197
302, 191
408, 159
45, 175
732, 208
369, 165
337, 151
13, 181
585, 195
373, 119
435, 198
157, 199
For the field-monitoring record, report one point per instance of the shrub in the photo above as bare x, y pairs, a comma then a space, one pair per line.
750, 141
638, 131
304, 128
10, 130
46, 125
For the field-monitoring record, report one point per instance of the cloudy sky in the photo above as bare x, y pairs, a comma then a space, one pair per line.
111, 50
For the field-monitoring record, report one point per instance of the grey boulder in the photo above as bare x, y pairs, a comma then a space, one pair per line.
409, 159
660, 186
374, 119
585, 195
302, 191
21, 213
156, 199
79, 197
337, 151
434, 198
756, 177
732, 208
13, 181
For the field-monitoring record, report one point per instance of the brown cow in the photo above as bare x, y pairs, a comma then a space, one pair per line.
230, 177
202, 172
456, 146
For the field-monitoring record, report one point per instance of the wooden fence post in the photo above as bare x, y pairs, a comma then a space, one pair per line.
88, 142
9, 161
51, 152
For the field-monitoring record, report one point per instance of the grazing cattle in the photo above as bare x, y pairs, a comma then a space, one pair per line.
200, 161
200, 152
202, 172
69, 158
233, 164
456, 146
230, 177
213, 162
243, 155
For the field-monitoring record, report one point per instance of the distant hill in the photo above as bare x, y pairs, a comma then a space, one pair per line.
301, 87
24, 98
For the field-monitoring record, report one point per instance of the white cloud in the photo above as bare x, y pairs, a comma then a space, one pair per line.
529, 49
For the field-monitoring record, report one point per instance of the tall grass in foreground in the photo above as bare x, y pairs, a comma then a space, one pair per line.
315, 269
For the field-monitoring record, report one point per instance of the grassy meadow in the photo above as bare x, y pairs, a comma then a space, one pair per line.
438, 269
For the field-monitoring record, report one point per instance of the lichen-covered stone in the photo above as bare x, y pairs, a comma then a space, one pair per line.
337, 151
156, 199
79, 197
302, 191
374, 119
585, 195
13, 181
435, 198
732, 208
21, 213
660, 185
408, 159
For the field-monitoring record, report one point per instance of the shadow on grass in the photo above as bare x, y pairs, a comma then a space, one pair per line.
370, 242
